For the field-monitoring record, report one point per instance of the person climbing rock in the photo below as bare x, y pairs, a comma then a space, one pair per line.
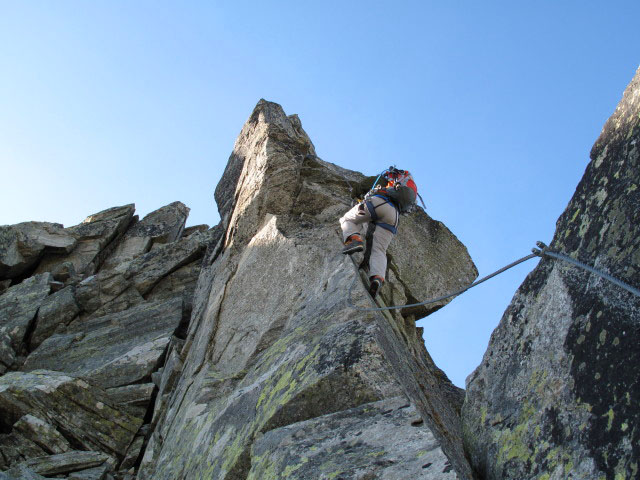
380, 209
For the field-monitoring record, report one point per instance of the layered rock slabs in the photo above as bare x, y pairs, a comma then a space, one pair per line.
278, 376
88, 317
556, 395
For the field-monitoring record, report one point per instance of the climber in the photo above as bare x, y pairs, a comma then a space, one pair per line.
380, 209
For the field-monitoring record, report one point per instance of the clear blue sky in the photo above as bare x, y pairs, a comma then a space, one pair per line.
493, 106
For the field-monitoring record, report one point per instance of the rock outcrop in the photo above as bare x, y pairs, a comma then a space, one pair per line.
87, 316
273, 348
147, 349
556, 395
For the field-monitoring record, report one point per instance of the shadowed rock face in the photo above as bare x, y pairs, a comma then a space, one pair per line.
556, 395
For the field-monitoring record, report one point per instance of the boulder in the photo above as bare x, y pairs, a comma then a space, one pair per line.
70, 405
443, 260
96, 291
22, 245
554, 394
18, 308
114, 350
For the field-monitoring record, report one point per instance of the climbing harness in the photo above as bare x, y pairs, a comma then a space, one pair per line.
374, 215
542, 252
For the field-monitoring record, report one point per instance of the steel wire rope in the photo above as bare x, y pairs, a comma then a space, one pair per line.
536, 253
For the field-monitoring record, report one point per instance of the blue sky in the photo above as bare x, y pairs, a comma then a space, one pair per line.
493, 106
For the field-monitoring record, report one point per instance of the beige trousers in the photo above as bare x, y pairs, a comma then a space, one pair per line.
353, 222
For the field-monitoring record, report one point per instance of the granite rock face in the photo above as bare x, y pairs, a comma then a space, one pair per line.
556, 395
87, 320
22, 245
272, 343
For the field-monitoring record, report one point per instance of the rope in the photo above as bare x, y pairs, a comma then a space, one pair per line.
536, 253
591, 269
438, 299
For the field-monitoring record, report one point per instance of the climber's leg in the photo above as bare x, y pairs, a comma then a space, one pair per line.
352, 221
378, 261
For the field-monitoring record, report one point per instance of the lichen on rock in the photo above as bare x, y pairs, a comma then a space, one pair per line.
554, 395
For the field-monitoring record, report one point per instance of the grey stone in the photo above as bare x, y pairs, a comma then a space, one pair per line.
128, 298
168, 380
7, 353
444, 263
57, 309
195, 228
82, 411
554, 395
134, 399
97, 290
96, 473
15, 448
114, 350
18, 308
21, 472
94, 235
22, 245
4, 286
64, 272
267, 120
375, 440
181, 282
66, 462
42, 433
133, 453
148, 269
164, 225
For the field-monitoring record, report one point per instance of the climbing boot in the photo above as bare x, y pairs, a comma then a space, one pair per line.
375, 283
353, 244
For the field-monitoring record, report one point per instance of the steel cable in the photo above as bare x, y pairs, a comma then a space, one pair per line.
536, 253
